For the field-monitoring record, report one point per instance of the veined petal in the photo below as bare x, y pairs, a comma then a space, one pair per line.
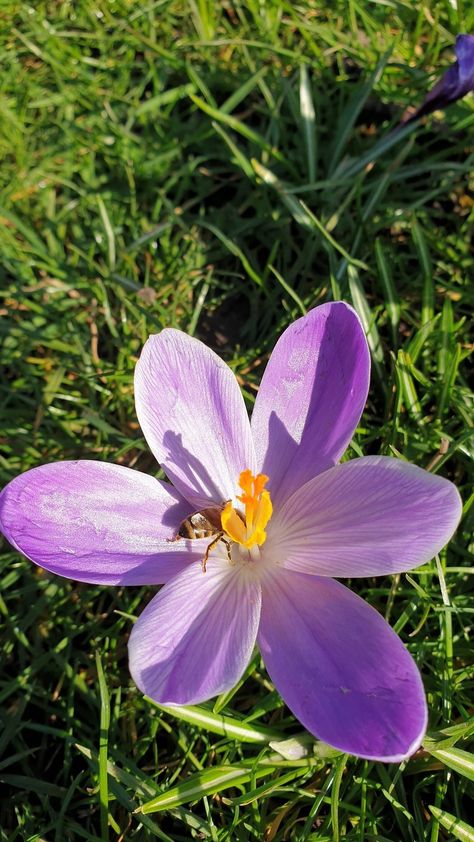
193, 416
369, 517
311, 397
98, 523
195, 638
340, 668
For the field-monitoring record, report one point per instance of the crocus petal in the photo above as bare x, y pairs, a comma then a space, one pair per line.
97, 522
340, 668
311, 397
193, 416
195, 638
368, 517
455, 83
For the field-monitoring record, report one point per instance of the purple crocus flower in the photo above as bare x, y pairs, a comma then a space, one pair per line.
454, 84
283, 518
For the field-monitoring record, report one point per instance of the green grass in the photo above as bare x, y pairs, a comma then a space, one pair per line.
222, 168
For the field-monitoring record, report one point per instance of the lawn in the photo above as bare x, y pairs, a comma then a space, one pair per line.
222, 168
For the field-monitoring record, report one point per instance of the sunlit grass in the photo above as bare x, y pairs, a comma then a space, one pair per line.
223, 168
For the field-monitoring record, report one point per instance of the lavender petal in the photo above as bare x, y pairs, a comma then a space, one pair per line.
98, 523
311, 397
340, 668
196, 637
368, 517
193, 416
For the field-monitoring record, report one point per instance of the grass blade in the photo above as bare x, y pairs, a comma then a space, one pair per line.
459, 829
367, 318
289, 290
236, 125
352, 111
308, 121
340, 766
301, 212
103, 749
427, 301
226, 726
458, 760
203, 784
392, 301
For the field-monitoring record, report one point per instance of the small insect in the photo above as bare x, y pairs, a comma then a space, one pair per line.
205, 523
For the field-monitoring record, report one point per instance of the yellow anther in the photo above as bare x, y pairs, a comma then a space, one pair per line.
246, 482
232, 524
259, 483
249, 529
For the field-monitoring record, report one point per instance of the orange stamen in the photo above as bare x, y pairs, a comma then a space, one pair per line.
249, 529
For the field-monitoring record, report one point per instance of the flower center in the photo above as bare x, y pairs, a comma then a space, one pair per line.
249, 529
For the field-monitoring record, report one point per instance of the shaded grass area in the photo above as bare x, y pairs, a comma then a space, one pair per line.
222, 168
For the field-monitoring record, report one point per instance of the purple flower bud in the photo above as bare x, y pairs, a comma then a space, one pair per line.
454, 84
